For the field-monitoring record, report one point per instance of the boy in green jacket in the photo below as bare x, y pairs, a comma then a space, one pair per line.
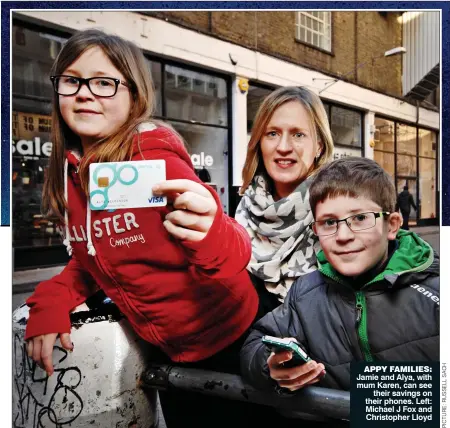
374, 297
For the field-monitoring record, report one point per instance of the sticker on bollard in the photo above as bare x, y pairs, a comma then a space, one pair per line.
404, 393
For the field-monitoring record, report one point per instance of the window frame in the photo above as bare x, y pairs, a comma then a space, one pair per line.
298, 26
331, 106
420, 221
40, 29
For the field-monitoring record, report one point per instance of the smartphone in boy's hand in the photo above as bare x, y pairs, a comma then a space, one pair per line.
294, 373
276, 344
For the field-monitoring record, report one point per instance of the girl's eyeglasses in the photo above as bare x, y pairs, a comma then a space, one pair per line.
99, 86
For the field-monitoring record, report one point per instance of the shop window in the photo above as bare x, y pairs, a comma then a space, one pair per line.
386, 161
384, 136
200, 111
427, 187
406, 139
327, 108
427, 143
195, 96
31, 149
406, 150
384, 139
174, 105
427, 173
406, 165
208, 148
412, 188
413, 163
314, 28
346, 126
33, 53
196, 106
155, 70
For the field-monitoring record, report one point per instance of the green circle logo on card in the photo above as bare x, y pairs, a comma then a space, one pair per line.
125, 174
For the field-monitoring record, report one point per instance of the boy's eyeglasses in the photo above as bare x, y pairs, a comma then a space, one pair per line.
355, 223
99, 86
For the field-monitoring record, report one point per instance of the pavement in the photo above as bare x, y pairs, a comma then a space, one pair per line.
425, 230
429, 234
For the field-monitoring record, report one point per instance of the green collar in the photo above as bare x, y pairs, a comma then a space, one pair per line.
412, 255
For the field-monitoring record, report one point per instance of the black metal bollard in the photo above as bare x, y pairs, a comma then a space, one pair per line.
322, 402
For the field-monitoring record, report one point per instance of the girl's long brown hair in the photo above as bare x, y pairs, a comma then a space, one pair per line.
318, 117
130, 61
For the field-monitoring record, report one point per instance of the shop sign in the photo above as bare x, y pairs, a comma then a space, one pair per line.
26, 126
30, 134
202, 159
32, 148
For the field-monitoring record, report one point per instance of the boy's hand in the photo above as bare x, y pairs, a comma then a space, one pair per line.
40, 349
195, 208
293, 378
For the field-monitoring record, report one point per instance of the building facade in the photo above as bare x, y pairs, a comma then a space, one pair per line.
212, 69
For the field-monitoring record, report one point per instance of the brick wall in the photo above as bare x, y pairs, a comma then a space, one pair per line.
195, 20
377, 33
357, 37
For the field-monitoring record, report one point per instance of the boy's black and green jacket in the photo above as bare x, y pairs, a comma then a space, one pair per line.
392, 317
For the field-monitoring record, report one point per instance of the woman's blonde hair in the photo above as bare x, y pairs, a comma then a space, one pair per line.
130, 61
317, 114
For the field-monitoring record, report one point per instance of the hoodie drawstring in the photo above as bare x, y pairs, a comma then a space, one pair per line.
66, 241
90, 246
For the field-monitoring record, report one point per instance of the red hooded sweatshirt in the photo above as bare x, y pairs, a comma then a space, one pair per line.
191, 299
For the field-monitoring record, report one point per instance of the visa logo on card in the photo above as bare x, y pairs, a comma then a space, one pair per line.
115, 185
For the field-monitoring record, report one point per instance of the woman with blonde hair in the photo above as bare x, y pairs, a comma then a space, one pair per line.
290, 141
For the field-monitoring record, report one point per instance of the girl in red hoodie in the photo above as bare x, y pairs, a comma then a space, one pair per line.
178, 272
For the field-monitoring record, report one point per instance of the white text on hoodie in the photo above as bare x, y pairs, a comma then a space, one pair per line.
117, 224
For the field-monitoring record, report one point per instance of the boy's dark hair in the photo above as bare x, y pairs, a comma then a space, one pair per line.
354, 177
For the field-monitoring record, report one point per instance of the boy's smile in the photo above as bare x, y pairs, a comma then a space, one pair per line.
354, 253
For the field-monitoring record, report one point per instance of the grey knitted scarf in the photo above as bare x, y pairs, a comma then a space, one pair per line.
283, 247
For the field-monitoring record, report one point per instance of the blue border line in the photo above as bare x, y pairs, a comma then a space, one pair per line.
376, 5
141, 5
5, 183
445, 131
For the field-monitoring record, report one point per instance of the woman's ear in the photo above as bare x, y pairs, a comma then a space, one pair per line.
319, 149
395, 220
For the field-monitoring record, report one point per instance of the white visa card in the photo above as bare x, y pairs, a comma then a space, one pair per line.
115, 185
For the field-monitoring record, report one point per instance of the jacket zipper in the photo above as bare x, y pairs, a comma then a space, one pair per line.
361, 321
361, 325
